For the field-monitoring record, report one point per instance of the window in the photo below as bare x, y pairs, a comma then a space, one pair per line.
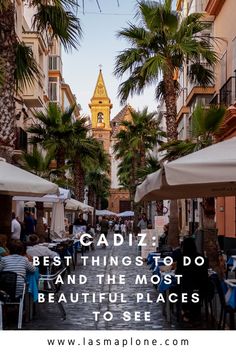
54, 47
53, 89
21, 139
55, 62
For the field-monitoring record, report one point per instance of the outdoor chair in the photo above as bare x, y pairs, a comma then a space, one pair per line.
47, 283
8, 285
78, 248
65, 248
225, 309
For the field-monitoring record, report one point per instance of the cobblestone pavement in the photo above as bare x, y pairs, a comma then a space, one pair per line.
80, 315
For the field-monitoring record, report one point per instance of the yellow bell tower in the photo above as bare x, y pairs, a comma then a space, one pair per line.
100, 107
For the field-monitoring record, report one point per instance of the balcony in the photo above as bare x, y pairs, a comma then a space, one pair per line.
55, 63
227, 94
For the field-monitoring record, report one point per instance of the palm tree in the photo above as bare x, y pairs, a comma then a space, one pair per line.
206, 123
152, 165
86, 154
37, 163
99, 185
53, 132
57, 19
160, 44
134, 140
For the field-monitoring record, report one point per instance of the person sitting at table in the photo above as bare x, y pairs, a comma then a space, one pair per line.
34, 249
3, 246
164, 236
16, 262
194, 278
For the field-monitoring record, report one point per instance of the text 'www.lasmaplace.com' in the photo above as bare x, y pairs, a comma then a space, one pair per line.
118, 342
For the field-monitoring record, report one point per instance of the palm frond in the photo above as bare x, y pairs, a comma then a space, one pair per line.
201, 75
59, 23
4, 5
207, 121
160, 90
177, 148
26, 70
163, 42
37, 162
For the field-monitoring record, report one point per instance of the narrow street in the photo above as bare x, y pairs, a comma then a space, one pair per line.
80, 316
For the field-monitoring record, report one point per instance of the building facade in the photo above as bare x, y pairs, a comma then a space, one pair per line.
220, 15
49, 87
225, 94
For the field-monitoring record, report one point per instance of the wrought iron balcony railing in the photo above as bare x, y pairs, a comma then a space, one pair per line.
228, 92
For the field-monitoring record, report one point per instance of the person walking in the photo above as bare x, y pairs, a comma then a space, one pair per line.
104, 224
142, 224
15, 228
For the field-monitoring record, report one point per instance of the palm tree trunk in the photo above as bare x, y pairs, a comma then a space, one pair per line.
60, 157
170, 99
79, 182
8, 43
91, 197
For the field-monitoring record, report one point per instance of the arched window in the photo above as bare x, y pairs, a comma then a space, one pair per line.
100, 117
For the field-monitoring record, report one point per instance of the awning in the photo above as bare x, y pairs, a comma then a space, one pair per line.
16, 181
210, 172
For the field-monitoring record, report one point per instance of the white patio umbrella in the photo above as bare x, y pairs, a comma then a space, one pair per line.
210, 172
63, 194
16, 181
74, 205
105, 213
215, 165
127, 213
54, 202
57, 226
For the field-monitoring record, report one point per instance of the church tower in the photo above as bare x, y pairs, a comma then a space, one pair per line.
100, 106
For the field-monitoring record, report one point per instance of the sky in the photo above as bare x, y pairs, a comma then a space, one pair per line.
100, 46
